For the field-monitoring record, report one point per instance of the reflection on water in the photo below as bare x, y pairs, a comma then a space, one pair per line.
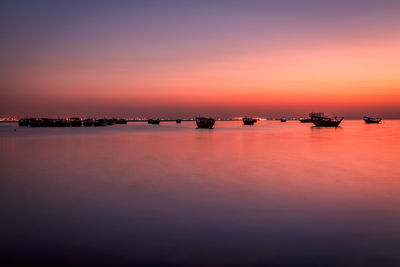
270, 194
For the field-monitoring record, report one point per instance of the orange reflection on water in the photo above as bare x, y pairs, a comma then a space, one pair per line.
241, 193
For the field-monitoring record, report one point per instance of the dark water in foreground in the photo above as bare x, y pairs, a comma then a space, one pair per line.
276, 194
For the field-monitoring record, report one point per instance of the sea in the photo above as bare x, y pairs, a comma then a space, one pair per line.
272, 194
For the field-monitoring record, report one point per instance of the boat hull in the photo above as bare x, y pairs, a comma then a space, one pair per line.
368, 121
306, 120
153, 121
372, 120
326, 124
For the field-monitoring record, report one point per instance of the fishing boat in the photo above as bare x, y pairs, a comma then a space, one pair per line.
206, 123
88, 122
23, 122
100, 122
249, 121
283, 120
326, 121
75, 122
178, 121
372, 120
311, 116
121, 121
153, 121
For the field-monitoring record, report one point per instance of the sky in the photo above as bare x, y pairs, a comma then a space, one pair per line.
174, 59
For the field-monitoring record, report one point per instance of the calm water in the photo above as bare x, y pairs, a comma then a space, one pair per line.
275, 194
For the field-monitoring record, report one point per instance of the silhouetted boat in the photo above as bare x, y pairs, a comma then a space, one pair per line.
88, 122
283, 120
23, 122
178, 121
312, 115
372, 120
75, 122
121, 121
100, 122
205, 122
326, 121
153, 121
249, 121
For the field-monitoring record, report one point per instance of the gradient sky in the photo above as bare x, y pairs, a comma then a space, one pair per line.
185, 58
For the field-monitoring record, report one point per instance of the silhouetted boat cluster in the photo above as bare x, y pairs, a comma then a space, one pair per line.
70, 122
317, 118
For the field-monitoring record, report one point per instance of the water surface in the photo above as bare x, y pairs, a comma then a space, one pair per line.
272, 194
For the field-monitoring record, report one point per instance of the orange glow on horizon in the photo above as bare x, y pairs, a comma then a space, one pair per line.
342, 74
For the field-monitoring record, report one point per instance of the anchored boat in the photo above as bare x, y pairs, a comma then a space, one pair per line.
153, 121
372, 120
326, 121
249, 121
206, 123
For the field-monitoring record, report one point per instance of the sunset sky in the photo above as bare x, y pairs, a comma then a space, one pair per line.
185, 58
